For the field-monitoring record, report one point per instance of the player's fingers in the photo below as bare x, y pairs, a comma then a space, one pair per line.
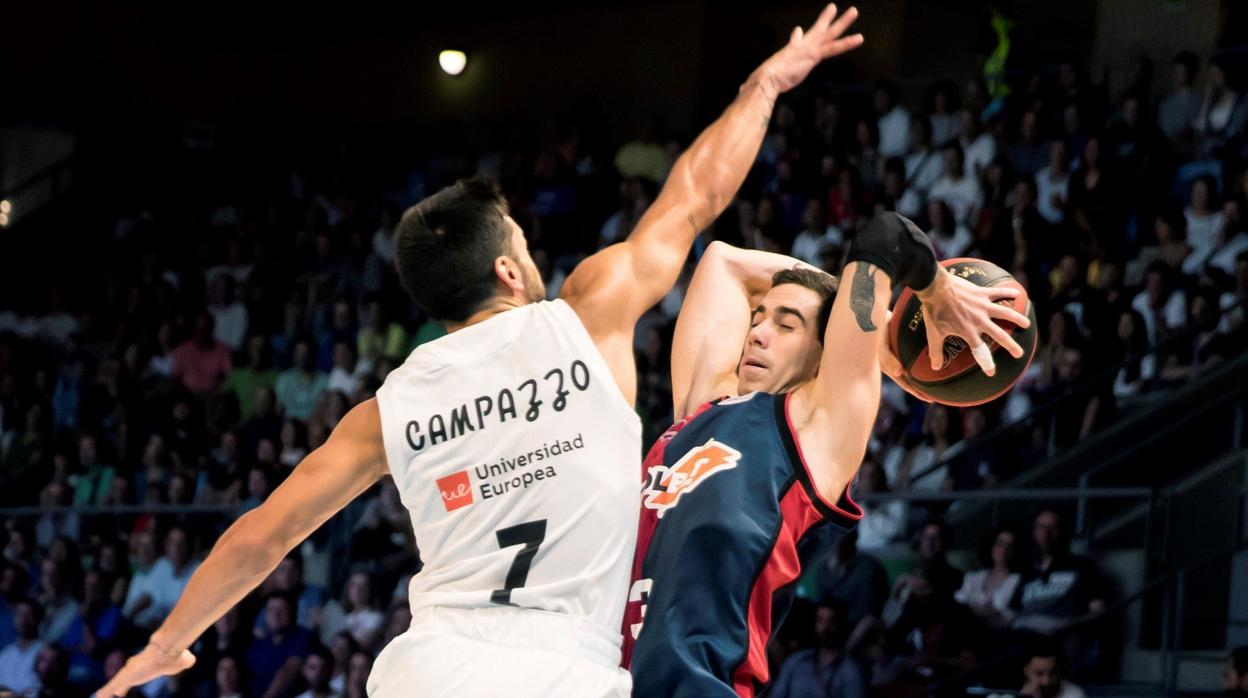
840, 46
1003, 339
935, 347
825, 17
796, 35
983, 356
1003, 312
842, 23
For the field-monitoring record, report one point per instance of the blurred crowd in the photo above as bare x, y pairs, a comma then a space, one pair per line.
232, 330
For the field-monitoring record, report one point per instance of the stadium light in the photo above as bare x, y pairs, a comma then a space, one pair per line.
4, 220
6, 206
452, 62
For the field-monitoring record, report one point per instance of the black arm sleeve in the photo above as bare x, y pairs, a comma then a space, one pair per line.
896, 245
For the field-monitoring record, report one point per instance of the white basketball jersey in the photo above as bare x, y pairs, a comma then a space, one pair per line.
518, 458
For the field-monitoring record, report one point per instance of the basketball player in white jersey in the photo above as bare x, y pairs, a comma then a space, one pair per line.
512, 440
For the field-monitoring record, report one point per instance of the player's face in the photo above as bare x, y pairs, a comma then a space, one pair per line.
534, 289
783, 346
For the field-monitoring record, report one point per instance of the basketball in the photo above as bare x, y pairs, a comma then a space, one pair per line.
960, 382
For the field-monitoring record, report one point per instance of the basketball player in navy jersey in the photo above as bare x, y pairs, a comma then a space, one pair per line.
512, 440
732, 493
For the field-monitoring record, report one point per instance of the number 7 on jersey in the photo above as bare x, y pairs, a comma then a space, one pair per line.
529, 535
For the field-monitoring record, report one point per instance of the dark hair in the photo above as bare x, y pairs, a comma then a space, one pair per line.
1239, 659
821, 283
1043, 648
1188, 60
446, 247
990, 541
946, 531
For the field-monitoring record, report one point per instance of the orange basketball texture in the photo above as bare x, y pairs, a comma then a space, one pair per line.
960, 382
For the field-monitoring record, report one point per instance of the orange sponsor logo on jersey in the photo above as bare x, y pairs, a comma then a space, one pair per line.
665, 486
456, 490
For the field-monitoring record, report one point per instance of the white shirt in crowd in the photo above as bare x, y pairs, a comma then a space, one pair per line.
383, 245
974, 592
979, 154
808, 245
923, 168
230, 326
17, 667
962, 194
163, 585
1046, 189
894, 132
881, 524
950, 246
1173, 312
1202, 237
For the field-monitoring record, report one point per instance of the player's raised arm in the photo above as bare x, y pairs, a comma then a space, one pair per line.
841, 403
612, 289
350, 461
715, 319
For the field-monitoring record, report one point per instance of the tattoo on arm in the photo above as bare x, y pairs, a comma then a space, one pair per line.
862, 297
693, 224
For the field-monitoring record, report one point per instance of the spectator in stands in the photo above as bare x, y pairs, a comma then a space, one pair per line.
93, 483
1235, 673
398, 621
276, 660
344, 377
882, 522
153, 596
229, 677
1163, 307
52, 667
342, 646
1042, 676
287, 578
1223, 115
979, 145
201, 363
58, 604
357, 676
950, 236
828, 669
1177, 113
228, 312
938, 578
956, 188
1061, 587
227, 638
1204, 223
856, 579
924, 163
17, 660
915, 471
361, 617
299, 387
989, 592
244, 381
1140, 367
1028, 155
1053, 183
317, 668
932, 636
894, 120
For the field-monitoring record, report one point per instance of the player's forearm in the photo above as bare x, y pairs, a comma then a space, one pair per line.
752, 270
712, 169
238, 563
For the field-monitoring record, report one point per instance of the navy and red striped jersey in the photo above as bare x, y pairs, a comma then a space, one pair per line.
728, 516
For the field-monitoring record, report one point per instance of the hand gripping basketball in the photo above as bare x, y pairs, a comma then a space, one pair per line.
955, 307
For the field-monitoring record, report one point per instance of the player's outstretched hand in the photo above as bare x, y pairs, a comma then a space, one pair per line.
149, 664
791, 64
955, 307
